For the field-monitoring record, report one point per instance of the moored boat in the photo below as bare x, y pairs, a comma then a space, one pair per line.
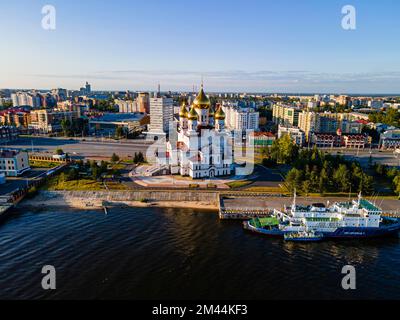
355, 219
306, 236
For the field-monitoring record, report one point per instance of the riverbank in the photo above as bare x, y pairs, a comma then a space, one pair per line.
99, 201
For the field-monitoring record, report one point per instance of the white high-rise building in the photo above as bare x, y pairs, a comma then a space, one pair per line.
241, 119
161, 115
24, 99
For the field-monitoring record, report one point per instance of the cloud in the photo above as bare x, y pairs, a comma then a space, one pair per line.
259, 80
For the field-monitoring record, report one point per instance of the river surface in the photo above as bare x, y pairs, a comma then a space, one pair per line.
152, 253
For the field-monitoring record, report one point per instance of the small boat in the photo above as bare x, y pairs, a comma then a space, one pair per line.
305, 236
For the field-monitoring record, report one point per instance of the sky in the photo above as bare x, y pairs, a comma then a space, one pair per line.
292, 46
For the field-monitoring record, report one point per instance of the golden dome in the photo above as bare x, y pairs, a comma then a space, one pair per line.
202, 101
183, 113
220, 114
193, 114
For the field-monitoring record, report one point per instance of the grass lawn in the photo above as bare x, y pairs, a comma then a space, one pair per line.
116, 186
267, 190
239, 184
76, 185
44, 164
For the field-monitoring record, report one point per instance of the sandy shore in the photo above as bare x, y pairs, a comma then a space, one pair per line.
43, 201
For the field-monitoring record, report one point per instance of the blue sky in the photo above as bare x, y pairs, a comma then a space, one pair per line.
237, 45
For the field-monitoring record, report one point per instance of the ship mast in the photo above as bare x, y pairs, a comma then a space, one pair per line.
294, 200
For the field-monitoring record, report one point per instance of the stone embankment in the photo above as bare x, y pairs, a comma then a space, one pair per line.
101, 199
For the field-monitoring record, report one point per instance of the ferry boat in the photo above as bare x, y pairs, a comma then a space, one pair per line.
354, 219
306, 236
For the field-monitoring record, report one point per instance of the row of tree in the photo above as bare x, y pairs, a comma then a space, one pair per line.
314, 171
390, 117
392, 175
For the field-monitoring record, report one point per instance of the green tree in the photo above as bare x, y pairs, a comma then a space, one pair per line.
59, 152
114, 158
306, 187
341, 177
119, 132
396, 182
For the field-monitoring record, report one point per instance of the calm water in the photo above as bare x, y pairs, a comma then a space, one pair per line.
180, 254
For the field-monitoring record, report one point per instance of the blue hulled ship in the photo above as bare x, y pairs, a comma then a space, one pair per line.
354, 219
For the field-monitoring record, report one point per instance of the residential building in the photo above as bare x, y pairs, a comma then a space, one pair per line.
143, 102
26, 99
261, 139
338, 139
14, 163
296, 134
161, 115
309, 122
390, 139
48, 121
240, 119
8, 133
286, 115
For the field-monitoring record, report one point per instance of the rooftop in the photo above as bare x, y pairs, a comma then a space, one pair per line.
119, 117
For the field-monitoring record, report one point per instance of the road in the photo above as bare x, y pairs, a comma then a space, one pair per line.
79, 147
363, 156
14, 183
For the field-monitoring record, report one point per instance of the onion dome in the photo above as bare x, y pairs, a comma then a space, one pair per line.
192, 114
211, 113
220, 114
183, 113
202, 101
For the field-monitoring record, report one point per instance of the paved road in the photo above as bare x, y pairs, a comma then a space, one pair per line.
279, 203
14, 183
384, 157
79, 147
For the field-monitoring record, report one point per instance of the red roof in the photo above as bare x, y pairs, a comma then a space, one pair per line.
263, 134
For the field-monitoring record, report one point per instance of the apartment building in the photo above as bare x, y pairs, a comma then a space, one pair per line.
14, 163
286, 115
296, 134
49, 121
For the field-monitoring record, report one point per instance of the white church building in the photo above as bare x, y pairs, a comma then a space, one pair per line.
201, 146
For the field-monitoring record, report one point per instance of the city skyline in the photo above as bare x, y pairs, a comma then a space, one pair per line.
235, 46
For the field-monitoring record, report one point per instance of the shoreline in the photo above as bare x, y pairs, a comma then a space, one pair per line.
42, 201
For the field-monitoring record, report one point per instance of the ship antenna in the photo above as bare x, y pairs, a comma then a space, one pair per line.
294, 200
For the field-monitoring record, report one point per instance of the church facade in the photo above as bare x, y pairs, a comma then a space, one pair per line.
201, 146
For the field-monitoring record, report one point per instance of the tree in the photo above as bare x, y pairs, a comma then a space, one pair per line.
66, 126
114, 158
284, 150
291, 180
306, 187
73, 174
396, 182
59, 151
119, 132
366, 185
341, 177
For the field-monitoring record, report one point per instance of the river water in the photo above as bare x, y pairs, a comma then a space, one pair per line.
152, 253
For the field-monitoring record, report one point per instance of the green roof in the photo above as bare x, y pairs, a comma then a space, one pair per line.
264, 222
368, 205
